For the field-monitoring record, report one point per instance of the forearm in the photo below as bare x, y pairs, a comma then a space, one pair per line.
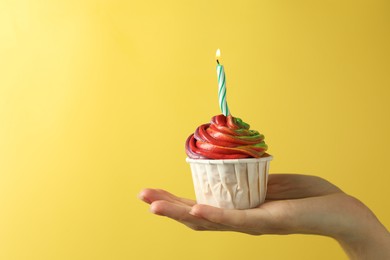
350, 222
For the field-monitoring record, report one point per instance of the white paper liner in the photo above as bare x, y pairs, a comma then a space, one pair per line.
230, 184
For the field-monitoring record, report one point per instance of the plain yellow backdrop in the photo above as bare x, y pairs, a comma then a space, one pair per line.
98, 97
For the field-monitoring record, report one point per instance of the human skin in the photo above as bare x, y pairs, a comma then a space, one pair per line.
295, 204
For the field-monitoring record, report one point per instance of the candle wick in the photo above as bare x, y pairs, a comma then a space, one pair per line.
218, 61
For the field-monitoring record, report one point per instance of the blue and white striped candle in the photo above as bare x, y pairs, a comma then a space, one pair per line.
221, 87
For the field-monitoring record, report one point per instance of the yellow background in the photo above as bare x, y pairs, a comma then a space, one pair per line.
98, 97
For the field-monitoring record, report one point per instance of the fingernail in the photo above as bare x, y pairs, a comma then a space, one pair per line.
192, 212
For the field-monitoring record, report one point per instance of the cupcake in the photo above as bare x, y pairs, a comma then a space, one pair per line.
229, 163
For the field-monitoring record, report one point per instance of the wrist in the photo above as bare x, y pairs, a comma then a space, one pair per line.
365, 237
374, 245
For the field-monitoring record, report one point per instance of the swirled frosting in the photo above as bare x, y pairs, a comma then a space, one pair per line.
226, 137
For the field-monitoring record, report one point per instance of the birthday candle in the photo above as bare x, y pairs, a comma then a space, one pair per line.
221, 86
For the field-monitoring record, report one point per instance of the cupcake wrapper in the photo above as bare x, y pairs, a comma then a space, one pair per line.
230, 184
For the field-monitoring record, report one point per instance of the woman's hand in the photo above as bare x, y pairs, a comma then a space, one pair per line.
294, 204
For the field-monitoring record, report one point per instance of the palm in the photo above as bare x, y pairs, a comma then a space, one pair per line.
287, 194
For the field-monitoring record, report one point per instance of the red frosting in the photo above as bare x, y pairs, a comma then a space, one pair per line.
225, 138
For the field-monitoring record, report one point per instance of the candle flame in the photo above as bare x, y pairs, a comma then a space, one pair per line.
218, 54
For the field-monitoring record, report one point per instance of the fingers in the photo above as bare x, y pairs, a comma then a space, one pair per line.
180, 213
256, 221
204, 217
166, 204
234, 218
150, 195
201, 217
170, 209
